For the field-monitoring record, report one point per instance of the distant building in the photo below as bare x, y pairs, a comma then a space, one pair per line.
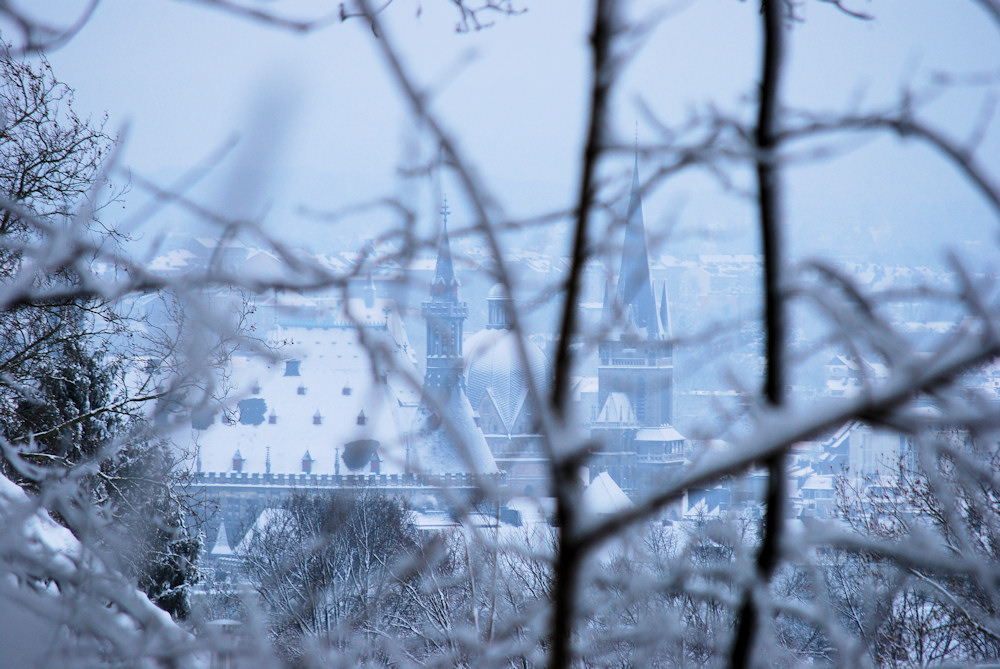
339, 410
502, 390
445, 434
320, 418
636, 369
847, 376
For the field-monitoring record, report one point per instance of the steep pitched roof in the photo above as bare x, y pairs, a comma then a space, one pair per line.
617, 409
446, 439
605, 496
222, 546
494, 368
335, 379
635, 290
445, 285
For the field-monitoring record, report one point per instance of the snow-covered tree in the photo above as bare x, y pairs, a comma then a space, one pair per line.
66, 413
912, 583
332, 570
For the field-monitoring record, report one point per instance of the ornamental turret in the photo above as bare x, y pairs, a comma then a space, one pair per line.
446, 439
445, 316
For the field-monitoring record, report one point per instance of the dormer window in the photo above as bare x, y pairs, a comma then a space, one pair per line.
238, 461
292, 367
307, 463
346, 389
362, 419
256, 388
317, 418
301, 390
272, 419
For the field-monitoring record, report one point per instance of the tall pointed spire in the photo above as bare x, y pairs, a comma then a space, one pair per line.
445, 285
635, 290
445, 315
668, 330
446, 439
608, 310
635, 371
221, 546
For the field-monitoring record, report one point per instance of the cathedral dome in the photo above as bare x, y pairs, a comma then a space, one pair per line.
497, 292
494, 366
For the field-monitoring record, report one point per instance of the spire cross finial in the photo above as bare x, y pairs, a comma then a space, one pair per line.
445, 210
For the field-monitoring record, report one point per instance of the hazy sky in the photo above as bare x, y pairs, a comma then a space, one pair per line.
320, 123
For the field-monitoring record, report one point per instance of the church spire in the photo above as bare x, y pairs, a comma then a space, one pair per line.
445, 285
445, 315
608, 309
635, 290
668, 330
445, 436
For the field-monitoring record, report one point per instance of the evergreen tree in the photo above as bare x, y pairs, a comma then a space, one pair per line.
63, 398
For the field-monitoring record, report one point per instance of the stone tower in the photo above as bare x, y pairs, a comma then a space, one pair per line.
446, 439
445, 316
636, 367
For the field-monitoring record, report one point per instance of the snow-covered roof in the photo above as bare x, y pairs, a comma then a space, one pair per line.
799, 471
604, 496
533, 510
294, 310
819, 482
663, 433
172, 261
860, 366
267, 517
433, 520
446, 439
332, 403
497, 292
617, 409
702, 508
584, 384
494, 368
221, 548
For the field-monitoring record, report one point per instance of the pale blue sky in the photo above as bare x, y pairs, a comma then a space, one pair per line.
321, 124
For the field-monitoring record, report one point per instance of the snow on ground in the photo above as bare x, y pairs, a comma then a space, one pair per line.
62, 606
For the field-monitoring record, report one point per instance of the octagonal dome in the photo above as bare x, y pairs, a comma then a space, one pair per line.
493, 366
